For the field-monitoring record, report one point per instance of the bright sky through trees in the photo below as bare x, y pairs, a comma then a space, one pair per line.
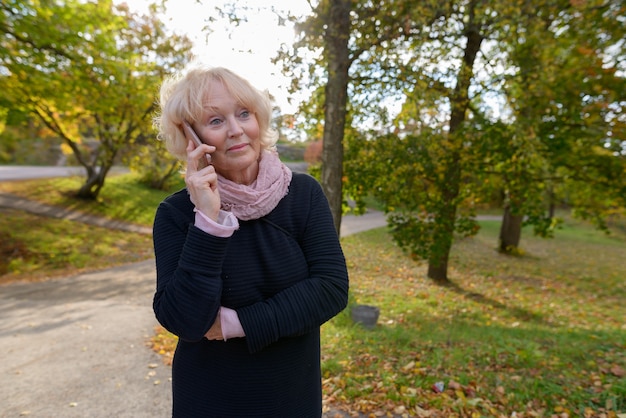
246, 49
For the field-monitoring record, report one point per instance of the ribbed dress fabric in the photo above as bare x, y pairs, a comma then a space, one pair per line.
284, 274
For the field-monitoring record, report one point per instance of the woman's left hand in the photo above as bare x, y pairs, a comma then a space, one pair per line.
215, 332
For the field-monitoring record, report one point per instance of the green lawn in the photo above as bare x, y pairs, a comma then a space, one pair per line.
537, 335
37, 248
540, 335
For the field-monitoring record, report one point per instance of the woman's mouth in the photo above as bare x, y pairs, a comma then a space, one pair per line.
237, 147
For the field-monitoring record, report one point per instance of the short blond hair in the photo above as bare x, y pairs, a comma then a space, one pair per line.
184, 96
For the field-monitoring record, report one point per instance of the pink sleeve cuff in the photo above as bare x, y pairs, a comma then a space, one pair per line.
225, 226
231, 327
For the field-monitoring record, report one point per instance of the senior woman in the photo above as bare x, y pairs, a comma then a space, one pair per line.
248, 261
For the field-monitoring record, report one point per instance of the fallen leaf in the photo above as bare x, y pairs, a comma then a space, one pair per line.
469, 392
399, 410
454, 385
422, 413
618, 371
474, 402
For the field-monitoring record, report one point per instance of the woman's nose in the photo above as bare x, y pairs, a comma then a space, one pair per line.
234, 128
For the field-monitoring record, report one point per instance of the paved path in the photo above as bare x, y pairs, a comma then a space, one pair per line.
349, 224
77, 346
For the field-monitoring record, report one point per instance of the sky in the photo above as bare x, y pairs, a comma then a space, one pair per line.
246, 49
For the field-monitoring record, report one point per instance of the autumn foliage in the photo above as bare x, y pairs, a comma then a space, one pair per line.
313, 152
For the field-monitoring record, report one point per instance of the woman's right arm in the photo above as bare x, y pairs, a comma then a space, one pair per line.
188, 266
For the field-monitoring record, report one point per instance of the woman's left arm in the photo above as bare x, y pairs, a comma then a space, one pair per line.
309, 303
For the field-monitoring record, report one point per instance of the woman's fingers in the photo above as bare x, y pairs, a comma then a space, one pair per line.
192, 163
200, 155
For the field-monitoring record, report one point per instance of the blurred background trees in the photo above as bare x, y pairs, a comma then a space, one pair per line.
467, 104
434, 109
87, 73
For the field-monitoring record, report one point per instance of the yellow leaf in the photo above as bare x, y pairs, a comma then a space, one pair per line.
409, 366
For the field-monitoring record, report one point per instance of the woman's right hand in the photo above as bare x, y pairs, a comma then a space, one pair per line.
201, 180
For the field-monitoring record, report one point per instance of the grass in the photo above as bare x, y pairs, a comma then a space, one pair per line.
537, 335
37, 248
123, 197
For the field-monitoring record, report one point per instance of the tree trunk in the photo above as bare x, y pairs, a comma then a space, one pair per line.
338, 62
96, 175
552, 208
510, 231
159, 179
438, 261
93, 184
444, 222
444, 230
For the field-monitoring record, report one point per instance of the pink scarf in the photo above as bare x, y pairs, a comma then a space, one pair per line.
262, 196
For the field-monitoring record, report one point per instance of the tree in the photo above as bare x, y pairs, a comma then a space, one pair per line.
338, 63
92, 84
327, 29
430, 158
155, 165
332, 34
453, 152
447, 149
564, 98
382, 37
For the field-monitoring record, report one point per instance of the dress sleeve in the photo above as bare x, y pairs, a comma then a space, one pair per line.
188, 267
309, 303
224, 227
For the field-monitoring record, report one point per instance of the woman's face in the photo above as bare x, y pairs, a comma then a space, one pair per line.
233, 129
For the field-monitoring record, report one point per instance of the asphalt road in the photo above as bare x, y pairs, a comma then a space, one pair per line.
26, 172
77, 346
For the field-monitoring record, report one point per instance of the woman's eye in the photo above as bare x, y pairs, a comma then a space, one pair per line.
215, 121
244, 114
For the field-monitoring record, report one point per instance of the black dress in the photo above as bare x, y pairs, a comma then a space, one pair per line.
284, 274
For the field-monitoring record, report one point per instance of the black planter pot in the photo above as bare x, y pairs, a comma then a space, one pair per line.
365, 315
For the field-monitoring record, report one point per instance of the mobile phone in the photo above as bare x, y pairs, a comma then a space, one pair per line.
191, 134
